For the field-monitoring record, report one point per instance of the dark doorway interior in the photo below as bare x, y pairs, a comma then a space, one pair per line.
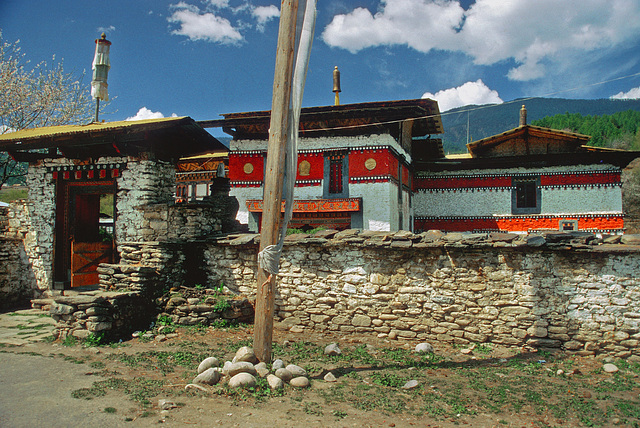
84, 231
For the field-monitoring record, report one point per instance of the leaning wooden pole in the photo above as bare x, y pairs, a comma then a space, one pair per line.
274, 176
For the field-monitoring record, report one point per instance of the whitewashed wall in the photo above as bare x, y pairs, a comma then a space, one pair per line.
379, 205
462, 203
584, 199
485, 202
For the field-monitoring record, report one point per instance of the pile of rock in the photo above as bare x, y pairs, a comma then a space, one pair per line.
203, 309
243, 372
112, 314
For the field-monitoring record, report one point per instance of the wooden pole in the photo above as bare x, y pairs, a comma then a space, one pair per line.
274, 176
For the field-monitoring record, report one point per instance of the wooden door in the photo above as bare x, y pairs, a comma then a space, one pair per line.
85, 258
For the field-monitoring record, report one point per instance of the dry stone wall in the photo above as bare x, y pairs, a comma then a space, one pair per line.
559, 290
17, 282
109, 315
142, 183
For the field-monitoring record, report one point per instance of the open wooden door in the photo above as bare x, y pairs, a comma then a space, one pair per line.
85, 258
88, 250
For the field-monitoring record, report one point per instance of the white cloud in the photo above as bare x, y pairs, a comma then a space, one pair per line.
420, 24
469, 93
212, 24
264, 14
107, 30
631, 94
530, 33
219, 3
145, 113
204, 26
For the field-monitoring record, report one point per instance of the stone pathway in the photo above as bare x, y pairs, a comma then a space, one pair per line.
25, 326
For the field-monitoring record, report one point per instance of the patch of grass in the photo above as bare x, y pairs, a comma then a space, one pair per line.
163, 361
629, 409
69, 341
339, 414
222, 304
137, 389
110, 410
311, 408
298, 351
18, 314
196, 328
33, 353
388, 379
483, 348
94, 339
74, 360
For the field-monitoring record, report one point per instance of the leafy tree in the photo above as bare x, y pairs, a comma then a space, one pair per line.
37, 96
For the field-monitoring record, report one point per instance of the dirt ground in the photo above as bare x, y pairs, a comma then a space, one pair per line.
488, 386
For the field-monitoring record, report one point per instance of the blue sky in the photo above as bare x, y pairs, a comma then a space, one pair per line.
204, 58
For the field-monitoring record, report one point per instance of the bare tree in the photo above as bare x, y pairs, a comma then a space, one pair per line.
32, 97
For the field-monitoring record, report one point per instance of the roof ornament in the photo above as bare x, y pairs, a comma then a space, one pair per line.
523, 116
100, 66
336, 85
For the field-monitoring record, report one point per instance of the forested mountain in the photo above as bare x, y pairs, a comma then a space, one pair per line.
617, 130
491, 119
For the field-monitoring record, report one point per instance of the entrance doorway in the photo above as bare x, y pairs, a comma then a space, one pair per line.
84, 232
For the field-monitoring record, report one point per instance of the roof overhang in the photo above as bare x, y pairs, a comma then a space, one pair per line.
348, 119
166, 138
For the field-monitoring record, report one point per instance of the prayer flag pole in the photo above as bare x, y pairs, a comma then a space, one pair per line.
274, 176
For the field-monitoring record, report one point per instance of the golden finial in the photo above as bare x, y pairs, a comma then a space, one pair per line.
336, 85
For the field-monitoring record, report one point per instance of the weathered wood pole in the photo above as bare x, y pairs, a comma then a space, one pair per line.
274, 176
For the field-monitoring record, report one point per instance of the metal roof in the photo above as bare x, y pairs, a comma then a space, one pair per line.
347, 119
167, 138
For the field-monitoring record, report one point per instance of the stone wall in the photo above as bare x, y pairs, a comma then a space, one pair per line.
142, 183
21, 269
34, 221
112, 315
17, 282
566, 290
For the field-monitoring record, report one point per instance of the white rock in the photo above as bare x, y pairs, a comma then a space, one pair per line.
262, 371
261, 365
424, 348
296, 371
241, 367
329, 377
277, 364
284, 374
211, 376
610, 368
245, 354
208, 363
332, 349
225, 368
274, 382
195, 387
299, 382
411, 384
242, 380
165, 404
